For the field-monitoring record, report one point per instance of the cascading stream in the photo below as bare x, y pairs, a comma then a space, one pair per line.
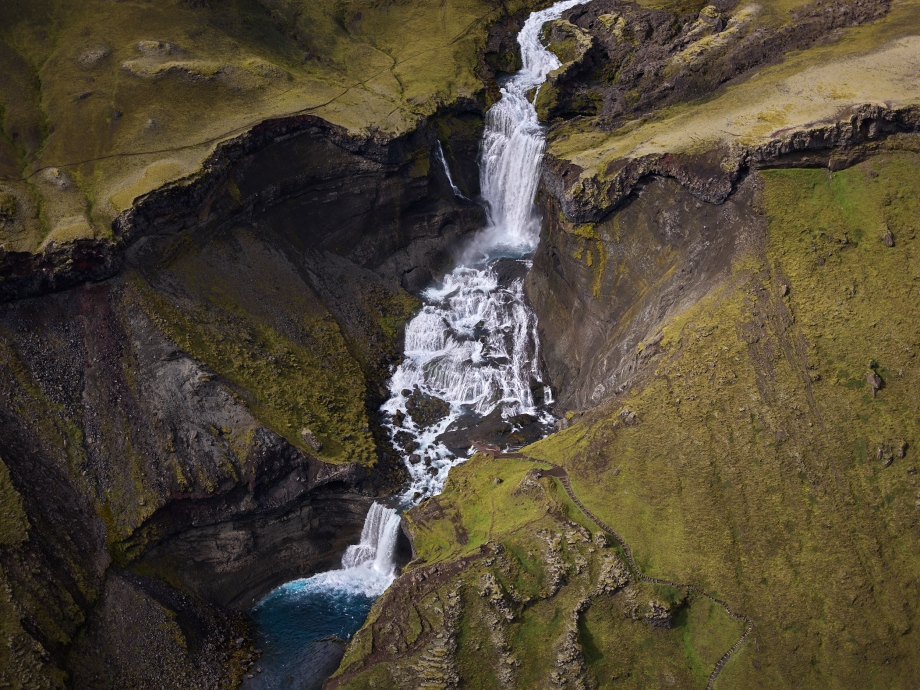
471, 368
473, 349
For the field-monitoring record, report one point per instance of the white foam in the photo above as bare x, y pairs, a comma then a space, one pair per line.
368, 567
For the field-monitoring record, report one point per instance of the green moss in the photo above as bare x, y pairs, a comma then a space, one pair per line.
14, 525
752, 471
312, 382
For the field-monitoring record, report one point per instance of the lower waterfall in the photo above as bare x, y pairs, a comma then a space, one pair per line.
303, 623
471, 372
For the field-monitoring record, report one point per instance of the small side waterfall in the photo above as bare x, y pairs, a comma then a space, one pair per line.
471, 364
439, 150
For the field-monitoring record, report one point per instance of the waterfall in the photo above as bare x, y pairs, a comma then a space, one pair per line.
439, 151
474, 345
374, 553
368, 567
513, 142
297, 620
471, 353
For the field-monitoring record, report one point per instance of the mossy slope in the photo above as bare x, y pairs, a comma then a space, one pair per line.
103, 102
761, 466
511, 590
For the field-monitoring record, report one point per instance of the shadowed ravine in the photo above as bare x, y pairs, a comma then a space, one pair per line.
472, 364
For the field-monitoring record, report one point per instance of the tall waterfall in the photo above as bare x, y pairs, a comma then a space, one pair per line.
471, 354
513, 142
474, 345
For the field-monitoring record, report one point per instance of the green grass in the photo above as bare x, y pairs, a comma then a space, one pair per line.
83, 94
537, 547
753, 470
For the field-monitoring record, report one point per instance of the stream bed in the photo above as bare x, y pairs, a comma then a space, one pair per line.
471, 372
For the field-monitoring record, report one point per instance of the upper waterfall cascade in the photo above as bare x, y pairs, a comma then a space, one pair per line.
474, 345
471, 353
513, 143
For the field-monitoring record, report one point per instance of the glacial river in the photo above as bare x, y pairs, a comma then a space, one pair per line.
472, 349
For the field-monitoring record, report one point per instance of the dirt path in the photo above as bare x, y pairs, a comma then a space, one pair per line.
562, 475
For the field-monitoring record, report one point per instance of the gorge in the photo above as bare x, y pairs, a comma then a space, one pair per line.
220, 225
470, 354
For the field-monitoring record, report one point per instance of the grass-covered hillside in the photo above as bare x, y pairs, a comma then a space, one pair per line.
769, 459
514, 587
102, 102
763, 465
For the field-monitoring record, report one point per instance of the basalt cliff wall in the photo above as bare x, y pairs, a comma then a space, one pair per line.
188, 411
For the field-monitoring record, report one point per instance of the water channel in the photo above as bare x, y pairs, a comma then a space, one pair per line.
471, 368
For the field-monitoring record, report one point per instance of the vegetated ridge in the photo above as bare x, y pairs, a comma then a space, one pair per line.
727, 290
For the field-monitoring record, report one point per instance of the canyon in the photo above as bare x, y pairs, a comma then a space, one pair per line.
725, 291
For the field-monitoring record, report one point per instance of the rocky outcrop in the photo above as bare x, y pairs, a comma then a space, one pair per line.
150, 422
712, 175
644, 59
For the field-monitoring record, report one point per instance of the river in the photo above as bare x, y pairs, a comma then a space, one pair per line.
471, 371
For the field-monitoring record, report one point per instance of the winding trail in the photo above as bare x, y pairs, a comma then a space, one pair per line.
560, 473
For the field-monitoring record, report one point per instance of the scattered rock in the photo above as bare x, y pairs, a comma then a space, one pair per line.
508, 270
157, 48
497, 480
57, 177
426, 410
93, 56
888, 239
875, 382
311, 439
884, 455
522, 419
415, 458
784, 290
660, 615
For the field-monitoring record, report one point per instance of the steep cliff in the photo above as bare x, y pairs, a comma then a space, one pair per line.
727, 293
201, 427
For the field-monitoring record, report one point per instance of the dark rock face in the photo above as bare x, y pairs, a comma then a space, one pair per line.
160, 495
623, 74
598, 315
397, 198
